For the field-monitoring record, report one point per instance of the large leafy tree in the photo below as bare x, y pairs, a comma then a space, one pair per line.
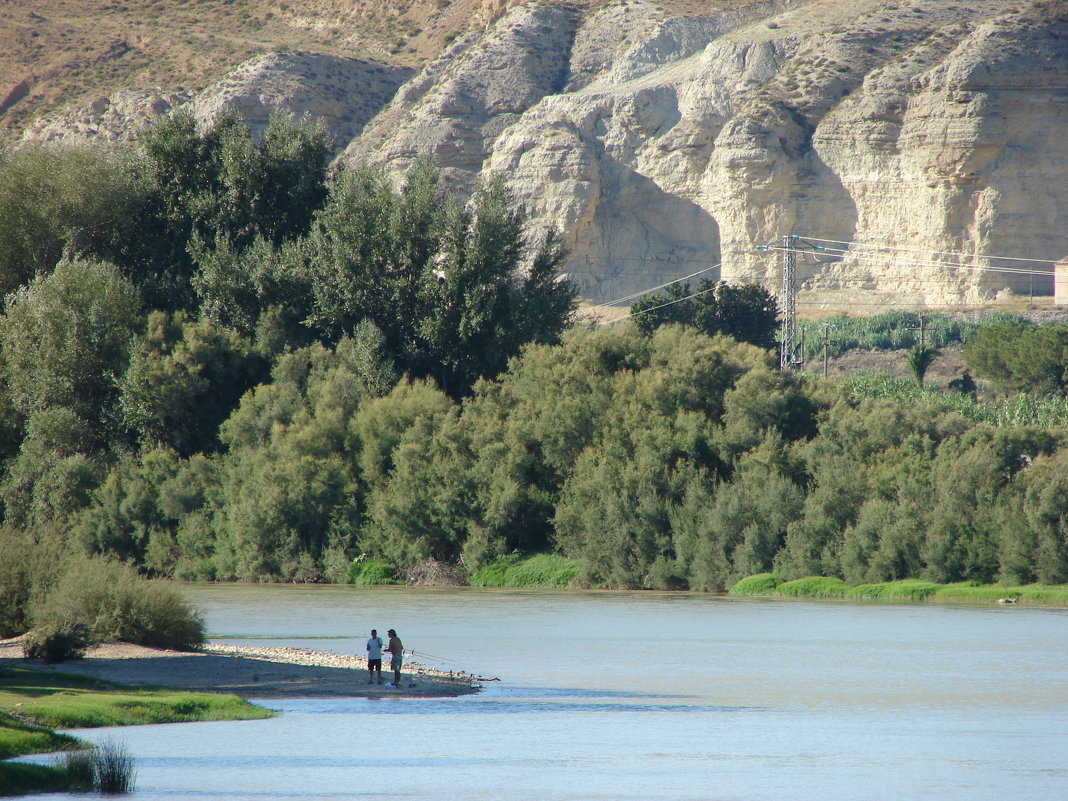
74, 200
455, 290
64, 341
183, 381
219, 186
66, 338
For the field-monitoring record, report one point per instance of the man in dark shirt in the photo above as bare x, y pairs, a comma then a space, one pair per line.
397, 650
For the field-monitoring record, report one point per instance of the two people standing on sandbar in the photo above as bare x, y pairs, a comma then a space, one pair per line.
374, 657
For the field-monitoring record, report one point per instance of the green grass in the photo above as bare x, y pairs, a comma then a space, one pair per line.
813, 587
32, 702
768, 584
760, 584
372, 571
538, 570
901, 590
897, 330
1022, 409
17, 778
17, 737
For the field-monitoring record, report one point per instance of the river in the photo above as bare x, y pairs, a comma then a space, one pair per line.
618, 696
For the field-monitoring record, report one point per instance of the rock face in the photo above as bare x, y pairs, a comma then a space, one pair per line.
912, 140
663, 146
343, 92
118, 118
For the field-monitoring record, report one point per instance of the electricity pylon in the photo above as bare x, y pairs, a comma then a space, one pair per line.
788, 340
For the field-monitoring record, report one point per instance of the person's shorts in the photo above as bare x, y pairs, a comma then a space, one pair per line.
395, 662
374, 664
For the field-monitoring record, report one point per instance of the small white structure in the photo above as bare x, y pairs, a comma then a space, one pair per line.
1060, 282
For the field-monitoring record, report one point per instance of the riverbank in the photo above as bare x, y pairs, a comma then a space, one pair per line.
903, 590
248, 671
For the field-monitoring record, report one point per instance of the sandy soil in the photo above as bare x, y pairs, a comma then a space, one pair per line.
249, 671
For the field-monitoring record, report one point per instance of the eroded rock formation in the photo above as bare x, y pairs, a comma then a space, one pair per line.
665, 137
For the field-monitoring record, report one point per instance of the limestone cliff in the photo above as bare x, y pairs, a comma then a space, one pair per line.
667, 137
663, 145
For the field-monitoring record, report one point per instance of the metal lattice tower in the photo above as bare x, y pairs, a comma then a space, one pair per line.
788, 339
788, 301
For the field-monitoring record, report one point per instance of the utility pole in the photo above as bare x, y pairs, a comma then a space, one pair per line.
788, 339
826, 346
919, 328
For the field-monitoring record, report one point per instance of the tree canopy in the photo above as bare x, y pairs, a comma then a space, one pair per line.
747, 312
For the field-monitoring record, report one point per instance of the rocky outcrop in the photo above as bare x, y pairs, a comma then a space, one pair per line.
343, 92
663, 146
910, 139
479, 87
122, 117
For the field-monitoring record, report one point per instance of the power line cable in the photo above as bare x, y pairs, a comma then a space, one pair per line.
933, 252
655, 288
895, 261
654, 308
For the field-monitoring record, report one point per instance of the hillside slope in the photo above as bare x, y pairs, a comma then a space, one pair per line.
663, 138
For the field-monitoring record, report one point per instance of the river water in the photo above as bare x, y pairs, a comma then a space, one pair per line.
646, 696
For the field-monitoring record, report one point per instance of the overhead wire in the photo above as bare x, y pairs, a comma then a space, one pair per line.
874, 258
629, 315
869, 254
932, 252
636, 295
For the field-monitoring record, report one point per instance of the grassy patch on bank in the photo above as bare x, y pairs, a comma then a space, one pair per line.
106, 769
768, 584
514, 570
371, 572
17, 737
19, 778
32, 702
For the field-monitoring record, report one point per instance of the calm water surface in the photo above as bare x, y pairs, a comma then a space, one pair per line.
639, 696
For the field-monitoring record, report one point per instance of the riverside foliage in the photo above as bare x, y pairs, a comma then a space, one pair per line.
356, 378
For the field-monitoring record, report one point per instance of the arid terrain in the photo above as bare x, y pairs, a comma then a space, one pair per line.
919, 143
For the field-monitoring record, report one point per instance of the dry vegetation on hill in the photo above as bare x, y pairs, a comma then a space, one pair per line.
57, 54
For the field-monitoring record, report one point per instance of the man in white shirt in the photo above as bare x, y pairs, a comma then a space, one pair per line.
374, 657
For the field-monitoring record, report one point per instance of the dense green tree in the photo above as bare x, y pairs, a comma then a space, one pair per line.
455, 292
56, 468
263, 291
66, 338
183, 381
1019, 357
1045, 506
746, 312
218, 186
422, 511
64, 200
124, 518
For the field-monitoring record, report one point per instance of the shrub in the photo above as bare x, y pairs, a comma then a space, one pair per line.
107, 768
114, 603
760, 584
905, 589
515, 570
372, 571
78, 766
113, 768
68, 642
